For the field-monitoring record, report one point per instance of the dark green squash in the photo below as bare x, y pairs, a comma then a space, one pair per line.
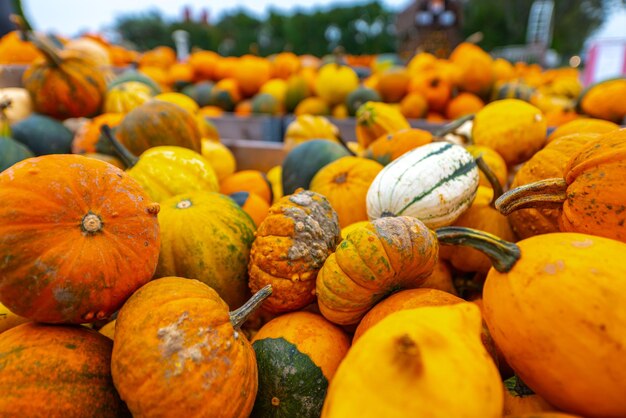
199, 92
360, 96
297, 355
265, 104
12, 152
156, 123
222, 99
305, 160
134, 75
43, 135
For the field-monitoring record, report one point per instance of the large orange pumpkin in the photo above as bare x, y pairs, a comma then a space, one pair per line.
64, 84
77, 236
179, 352
52, 371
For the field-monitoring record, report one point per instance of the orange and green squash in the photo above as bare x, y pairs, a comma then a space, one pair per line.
179, 352
206, 236
291, 245
360, 96
297, 90
375, 119
62, 240
199, 92
134, 75
53, 371
297, 356
89, 139
124, 97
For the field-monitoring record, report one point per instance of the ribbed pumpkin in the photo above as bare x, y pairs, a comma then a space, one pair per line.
206, 236
345, 182
416, 363
12, 152
583, 125
558, 316
307, 127
64, 84
52, 371
164, 172
391, 146
124, 97
134, 75
433, 88
43, 135
297, 356
375, 119
484, 217
306, 159
90, 139
514, 128
248, 181
494, 161
604, 100
591, 190
403, 300
158, 123
179, 352
63, 263
107, 159
291, 245
256, 207
435, 183
312, 106
550, 162
384, 256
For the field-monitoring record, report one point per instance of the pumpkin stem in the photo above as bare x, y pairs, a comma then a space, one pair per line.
16, 5
503, 254
453, 126
239, 316
547, 193
518, 387
91, 223
42, 44
408, 353
125, 155
345, 145
493, 180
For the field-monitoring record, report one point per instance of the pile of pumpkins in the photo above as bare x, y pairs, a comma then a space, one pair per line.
426, 87
471, 272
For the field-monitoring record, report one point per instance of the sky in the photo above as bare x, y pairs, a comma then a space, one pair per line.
70, 17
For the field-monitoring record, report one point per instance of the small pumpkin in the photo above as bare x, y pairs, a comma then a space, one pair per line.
89, 139
345, 182
16, 50
334, 82
43, 135
179, 99
360, 96
248, 181
541, 309
305, 160
164, 172
393, 84
203, 64
375, 119
134, 75
384, 256
476, 68
221, 158
12, 152
63, 263
390, 146
124, 97
591, 191
251, 73
312, 106
57, 371
255, 206
433, 88
494, 161
206, 236
512, 127
297, 356
435, 183
157, 122
275, 177
297, 90
307, 127
441, 278
403, 300
520, 399
414, 106
291, 245
583, 125
396, 369
604, 100
199, 92
174, 337
20, 106
64, 84
265, 104
462, 105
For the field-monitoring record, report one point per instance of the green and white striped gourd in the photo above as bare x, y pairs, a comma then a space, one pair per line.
434, 183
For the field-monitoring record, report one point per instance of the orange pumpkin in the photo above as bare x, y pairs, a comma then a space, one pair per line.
392, 145
63, 263
14, 50
345, 183
476, 68
285, 65
291, 245
590, 191
436, 91
494, 161
157, 122
441, 278
463, 104
52, 371
255, 206
161, 56
414, 106
174, 338
583, 125
87, 139
64, 84
393, 84
251, 73
253, 181
180, 74
203, 64
405, 299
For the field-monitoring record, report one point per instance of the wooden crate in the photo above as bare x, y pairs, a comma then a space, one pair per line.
256, 128
256, 155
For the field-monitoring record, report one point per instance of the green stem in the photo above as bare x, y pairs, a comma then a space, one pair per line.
345, 145
503, 254
239, 316
454, 125
125, 155
16, 6
549, 193
493, 180
49, 51
518, 387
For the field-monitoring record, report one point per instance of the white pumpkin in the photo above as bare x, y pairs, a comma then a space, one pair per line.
21, 103
434, 183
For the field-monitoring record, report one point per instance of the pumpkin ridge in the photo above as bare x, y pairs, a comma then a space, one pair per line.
365, 264
461, 170
575, 168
